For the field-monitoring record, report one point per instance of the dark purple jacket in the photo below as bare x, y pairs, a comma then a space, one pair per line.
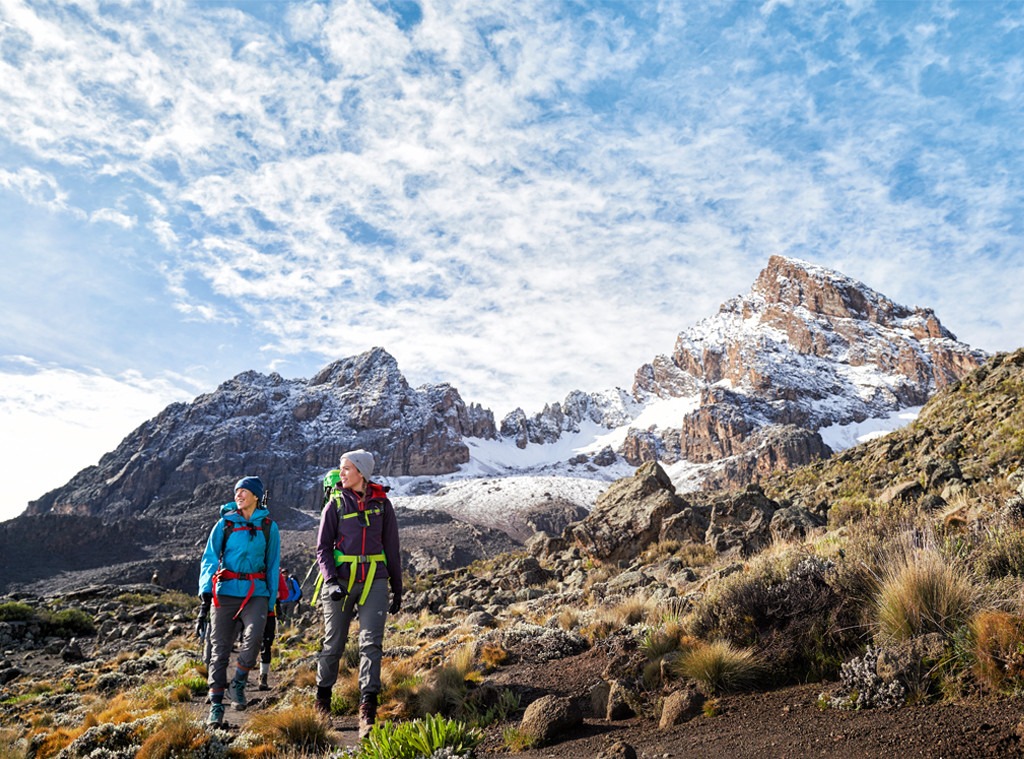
363, 535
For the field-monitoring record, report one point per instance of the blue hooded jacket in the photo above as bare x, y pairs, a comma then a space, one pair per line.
246, 552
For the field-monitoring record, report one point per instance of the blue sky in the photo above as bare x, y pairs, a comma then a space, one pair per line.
520, 198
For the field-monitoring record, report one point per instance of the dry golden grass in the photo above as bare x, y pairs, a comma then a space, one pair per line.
54, 741
492, 656
177, 735
298, 727
922, 591
444, 688
998, 649
609, 619
304, 678
719, 667
9, 746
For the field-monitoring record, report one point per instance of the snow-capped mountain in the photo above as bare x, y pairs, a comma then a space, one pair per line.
778, 377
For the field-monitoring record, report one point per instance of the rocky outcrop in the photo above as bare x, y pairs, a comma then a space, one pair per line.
628, 516
608, 409
740, 524
286, 431
805, 348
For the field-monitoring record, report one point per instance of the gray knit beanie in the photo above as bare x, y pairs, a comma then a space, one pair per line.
361, 460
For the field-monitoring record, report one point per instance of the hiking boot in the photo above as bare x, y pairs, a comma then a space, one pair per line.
367, 714
236, 692
216, 718
264, 685
323, 701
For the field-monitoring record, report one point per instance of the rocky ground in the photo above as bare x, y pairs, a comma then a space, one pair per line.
781, 723
785, 722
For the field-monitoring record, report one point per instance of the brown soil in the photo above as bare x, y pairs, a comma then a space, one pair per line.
780, 723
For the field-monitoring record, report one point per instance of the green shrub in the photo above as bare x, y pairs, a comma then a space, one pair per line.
419, 738
67, 623
786, 609
15, 611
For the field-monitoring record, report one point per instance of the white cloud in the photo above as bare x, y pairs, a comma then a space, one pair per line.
527, 198
114, 217
57, 422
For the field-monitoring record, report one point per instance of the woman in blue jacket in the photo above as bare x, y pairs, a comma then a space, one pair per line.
243, 550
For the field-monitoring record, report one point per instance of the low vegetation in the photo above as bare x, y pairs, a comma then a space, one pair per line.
911, 590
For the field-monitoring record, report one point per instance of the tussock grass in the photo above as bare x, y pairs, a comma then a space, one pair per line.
445, 687
517, 740
922, 591
177, 735
492, 656
611, 619
659, 641
998, 650
10, 748
719, 667
297, 727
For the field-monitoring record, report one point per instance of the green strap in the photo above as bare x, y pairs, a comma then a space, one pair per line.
341, 558
344, 558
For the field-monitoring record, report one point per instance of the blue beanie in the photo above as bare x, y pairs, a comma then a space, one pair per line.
253, 484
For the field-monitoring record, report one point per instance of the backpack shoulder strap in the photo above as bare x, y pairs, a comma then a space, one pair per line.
229, 525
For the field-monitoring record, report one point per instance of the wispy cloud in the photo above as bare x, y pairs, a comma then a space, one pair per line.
521, 199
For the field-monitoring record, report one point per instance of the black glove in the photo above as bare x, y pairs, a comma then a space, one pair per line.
204, 615
396, 603
334, 591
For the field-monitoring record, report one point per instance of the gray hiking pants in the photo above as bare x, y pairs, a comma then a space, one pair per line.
338, 616
224, 632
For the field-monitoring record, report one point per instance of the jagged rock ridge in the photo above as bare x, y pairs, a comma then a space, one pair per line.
287, 431
805, 348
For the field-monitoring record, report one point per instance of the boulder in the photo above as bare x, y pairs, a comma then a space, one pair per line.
740, 523
550, 717
628, 516
681, 706
618, 750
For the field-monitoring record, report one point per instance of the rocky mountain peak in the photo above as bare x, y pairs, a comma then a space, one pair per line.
791, 284
747, 390
286, 431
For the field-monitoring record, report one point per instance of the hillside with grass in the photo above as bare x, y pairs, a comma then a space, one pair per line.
868, 605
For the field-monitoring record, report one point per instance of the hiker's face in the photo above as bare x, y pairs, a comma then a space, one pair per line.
350, 477
245, 499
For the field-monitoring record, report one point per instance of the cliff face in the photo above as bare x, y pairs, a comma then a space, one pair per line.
804, 349
287, 431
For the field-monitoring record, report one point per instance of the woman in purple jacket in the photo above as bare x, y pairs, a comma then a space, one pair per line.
358, 554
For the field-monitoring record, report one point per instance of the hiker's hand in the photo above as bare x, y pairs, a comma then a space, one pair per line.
204, 614
335, 592
396, 603
201, 621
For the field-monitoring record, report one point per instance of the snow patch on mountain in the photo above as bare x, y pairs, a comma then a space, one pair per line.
502, 480
839, 437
